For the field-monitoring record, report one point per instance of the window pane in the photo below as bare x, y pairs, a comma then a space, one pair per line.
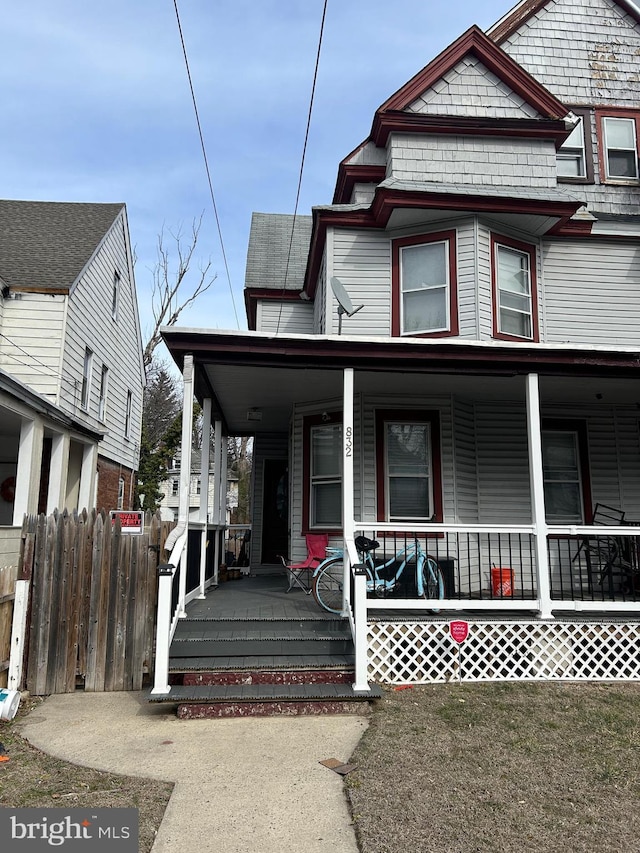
620, 133
409, 497
327, 500
563, 502
571, 165
515, 323
425, 310
424, 266
560, 451
515, 301
513, 270
622, 164
326, 450
407, 448
575, 138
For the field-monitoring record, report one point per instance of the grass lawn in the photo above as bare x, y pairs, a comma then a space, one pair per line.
32, 779
500, 767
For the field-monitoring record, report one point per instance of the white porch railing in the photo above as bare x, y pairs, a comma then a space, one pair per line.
171, 578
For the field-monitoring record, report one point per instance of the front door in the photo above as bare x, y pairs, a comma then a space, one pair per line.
275, 510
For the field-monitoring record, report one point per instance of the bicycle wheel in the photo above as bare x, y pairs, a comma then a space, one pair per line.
327, 585
432, 579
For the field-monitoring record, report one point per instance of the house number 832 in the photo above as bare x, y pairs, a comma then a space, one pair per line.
348, 444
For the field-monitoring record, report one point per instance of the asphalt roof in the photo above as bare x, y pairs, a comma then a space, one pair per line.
270, 242
45, 245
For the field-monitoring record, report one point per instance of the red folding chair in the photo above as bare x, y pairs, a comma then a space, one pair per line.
299, 574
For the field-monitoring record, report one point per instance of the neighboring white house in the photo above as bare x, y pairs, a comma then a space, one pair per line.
170, 488
70, 333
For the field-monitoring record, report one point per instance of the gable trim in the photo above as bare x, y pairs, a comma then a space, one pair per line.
350, 174
494, 58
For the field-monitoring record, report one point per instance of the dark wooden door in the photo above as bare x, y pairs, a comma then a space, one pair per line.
275, 510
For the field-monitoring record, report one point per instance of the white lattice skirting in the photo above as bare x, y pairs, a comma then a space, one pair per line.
425, 652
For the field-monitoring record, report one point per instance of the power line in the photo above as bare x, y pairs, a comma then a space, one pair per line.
206, 161
304, 153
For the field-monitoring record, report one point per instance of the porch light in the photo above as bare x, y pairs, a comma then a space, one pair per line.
254, 415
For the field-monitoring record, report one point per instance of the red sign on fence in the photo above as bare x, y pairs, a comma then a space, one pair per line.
130, 521
459, 630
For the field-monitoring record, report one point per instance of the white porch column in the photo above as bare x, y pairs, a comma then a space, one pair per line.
348, 509
204, 489
185, 473
217, 494
28, 470
537, 496
58, 472
87, 494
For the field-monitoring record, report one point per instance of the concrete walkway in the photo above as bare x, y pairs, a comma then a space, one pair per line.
251, 784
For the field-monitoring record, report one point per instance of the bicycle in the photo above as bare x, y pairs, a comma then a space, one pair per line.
328, 578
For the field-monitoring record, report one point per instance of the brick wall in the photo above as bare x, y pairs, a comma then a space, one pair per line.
109, 474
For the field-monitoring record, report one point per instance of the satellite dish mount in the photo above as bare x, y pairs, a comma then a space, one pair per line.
345, 305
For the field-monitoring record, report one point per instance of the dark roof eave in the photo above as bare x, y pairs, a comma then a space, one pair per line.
395, 355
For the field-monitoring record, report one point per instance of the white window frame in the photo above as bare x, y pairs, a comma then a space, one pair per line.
499, 308
121, 493
316, 480
444, 286
115, 298
87, 369
175, 487
605, 155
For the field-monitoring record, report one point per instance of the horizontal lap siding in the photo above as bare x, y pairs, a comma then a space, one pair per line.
31, 342
467, 280
116, 344
466, 472
285, 318
591, 293
362, 262
485, 315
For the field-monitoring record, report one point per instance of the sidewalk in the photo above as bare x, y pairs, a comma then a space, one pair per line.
251, 784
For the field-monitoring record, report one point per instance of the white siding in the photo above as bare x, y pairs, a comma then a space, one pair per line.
484, 307
467, 280
319, 312
466, 471
284, 317
362, 262
115, 343
591, 292
30, 346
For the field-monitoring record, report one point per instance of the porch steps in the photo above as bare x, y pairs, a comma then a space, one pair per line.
259, 667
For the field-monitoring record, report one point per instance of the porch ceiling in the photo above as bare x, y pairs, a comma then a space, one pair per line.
245, 371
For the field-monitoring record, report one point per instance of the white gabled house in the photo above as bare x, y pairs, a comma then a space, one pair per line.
70, 335
485, 397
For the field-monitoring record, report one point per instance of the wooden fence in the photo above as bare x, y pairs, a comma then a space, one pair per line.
8, 576
93, 601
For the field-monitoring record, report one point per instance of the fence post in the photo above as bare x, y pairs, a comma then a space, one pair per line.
163, 629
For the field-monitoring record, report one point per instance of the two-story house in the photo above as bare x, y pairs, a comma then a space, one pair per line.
70, 358
484, 394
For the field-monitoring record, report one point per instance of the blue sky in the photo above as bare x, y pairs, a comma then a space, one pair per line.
96, 107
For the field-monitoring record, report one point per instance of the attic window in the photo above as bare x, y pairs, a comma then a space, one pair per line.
620, 148
574, 158
115, 296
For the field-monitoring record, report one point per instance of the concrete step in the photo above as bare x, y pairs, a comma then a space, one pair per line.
263, 662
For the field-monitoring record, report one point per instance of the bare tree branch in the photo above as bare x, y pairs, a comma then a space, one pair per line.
168, 278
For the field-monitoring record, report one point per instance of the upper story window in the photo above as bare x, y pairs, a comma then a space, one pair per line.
424, 287
86, 378
408, 466
127, 415
322, 473
571, 156
115, 296
102, 401
515, 312
121, 493
175, 485
618, 131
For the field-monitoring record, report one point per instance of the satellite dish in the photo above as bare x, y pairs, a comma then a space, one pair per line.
345, 305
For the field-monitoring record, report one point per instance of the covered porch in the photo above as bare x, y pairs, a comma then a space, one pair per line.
492, 405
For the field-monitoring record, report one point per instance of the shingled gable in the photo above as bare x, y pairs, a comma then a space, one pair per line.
44, 246
516, 17
394, 114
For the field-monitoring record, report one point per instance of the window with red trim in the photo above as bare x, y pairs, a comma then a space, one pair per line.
618, 135
409, 482
515, 295
424, 285
565, 467
322, 472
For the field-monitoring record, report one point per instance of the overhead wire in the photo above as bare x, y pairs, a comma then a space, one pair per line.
302, 162
205, 158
